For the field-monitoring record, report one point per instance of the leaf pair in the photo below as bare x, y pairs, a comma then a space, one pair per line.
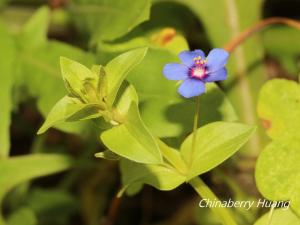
277, 169
92, 93
215, 143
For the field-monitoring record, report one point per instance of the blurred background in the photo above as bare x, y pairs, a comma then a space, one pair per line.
79, 189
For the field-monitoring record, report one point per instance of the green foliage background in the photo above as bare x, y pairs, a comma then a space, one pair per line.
77, 188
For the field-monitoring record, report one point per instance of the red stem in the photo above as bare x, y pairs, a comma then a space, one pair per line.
232, 45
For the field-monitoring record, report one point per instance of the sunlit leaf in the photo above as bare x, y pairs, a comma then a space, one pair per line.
279, 108
215, 143
118, 68
278, 171
135, 142
74, 75
128, 95
69, 109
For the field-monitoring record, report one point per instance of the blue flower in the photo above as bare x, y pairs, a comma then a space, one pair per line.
195, 70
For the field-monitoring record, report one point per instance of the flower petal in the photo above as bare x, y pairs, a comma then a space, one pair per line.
218, 75
175, 71
187, 57
191, 87
216, 59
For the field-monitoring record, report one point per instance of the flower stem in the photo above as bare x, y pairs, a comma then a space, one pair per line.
271, 215
195, 126
231, 46
201, 188
205, 193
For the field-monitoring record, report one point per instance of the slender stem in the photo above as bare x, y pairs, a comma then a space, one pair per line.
258, 27
271, 215
113, 210
195, 126
204, 191
201, 188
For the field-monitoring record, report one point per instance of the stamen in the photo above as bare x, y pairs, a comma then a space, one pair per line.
198, 58
199, 69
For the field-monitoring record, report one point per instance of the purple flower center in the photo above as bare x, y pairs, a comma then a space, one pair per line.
199, 69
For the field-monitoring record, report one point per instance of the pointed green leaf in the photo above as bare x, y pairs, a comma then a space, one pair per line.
37, 70
128, 95
278, 171
34, 32
215, 143
99, 71
119, 67
69, 109
135, 142
75, 76
16, 170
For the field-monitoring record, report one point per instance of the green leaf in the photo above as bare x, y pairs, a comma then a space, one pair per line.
135, 142
40, 74
162, 177
34, 32
215, 143
173, 156
280, 217
22, 216
279, 108
128, 95
7, 46
75, 75
108, 20
69, 109
16, 170
118, 68
102, 81
278, 171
